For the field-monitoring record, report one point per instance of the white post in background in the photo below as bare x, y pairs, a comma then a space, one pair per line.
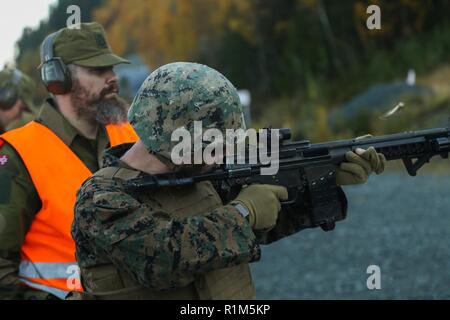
246, 99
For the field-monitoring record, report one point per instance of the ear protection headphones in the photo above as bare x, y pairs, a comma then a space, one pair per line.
54, 73
9, 93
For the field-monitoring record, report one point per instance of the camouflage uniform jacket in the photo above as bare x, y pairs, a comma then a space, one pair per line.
161, 251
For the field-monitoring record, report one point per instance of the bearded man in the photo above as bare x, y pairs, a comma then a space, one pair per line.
44, 163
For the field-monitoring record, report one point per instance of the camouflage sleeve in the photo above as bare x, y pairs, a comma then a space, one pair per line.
161, 251
294, 218
19, 203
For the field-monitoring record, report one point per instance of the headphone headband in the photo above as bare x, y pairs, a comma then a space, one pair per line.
47, 53
54, 73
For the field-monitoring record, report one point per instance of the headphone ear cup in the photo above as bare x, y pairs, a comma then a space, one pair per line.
8, 97
56, 76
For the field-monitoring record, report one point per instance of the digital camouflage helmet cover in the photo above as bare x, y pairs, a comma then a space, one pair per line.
177, 94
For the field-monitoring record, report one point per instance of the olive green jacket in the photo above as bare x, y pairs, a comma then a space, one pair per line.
19, 200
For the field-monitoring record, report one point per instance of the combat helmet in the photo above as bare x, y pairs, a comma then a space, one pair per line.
16, 85
177, 94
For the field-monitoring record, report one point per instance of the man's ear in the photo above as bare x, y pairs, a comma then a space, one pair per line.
74, 69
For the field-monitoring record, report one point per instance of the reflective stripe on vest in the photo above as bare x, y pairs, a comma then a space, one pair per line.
46, 270
50, 276
57, 173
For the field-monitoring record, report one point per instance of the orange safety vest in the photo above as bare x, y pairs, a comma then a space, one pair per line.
48, 260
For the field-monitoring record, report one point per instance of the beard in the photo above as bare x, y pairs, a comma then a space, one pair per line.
97, 108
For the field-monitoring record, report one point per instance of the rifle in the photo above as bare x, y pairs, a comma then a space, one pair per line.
308, 171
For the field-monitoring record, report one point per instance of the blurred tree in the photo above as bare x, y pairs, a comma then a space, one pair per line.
161, 30
318, 52
400, 19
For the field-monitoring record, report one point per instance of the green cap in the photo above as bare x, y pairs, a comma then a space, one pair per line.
85, 46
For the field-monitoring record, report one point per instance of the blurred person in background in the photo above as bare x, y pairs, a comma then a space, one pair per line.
16, 99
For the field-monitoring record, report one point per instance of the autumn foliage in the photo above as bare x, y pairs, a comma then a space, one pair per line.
314, 52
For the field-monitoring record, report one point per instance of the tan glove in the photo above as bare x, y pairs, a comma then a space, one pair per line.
359, 166
263, 204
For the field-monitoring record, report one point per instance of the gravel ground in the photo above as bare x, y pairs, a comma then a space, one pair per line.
397, 222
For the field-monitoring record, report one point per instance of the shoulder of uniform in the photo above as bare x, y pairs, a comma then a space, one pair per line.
109, 178
105, 191
9, 156
107, 172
